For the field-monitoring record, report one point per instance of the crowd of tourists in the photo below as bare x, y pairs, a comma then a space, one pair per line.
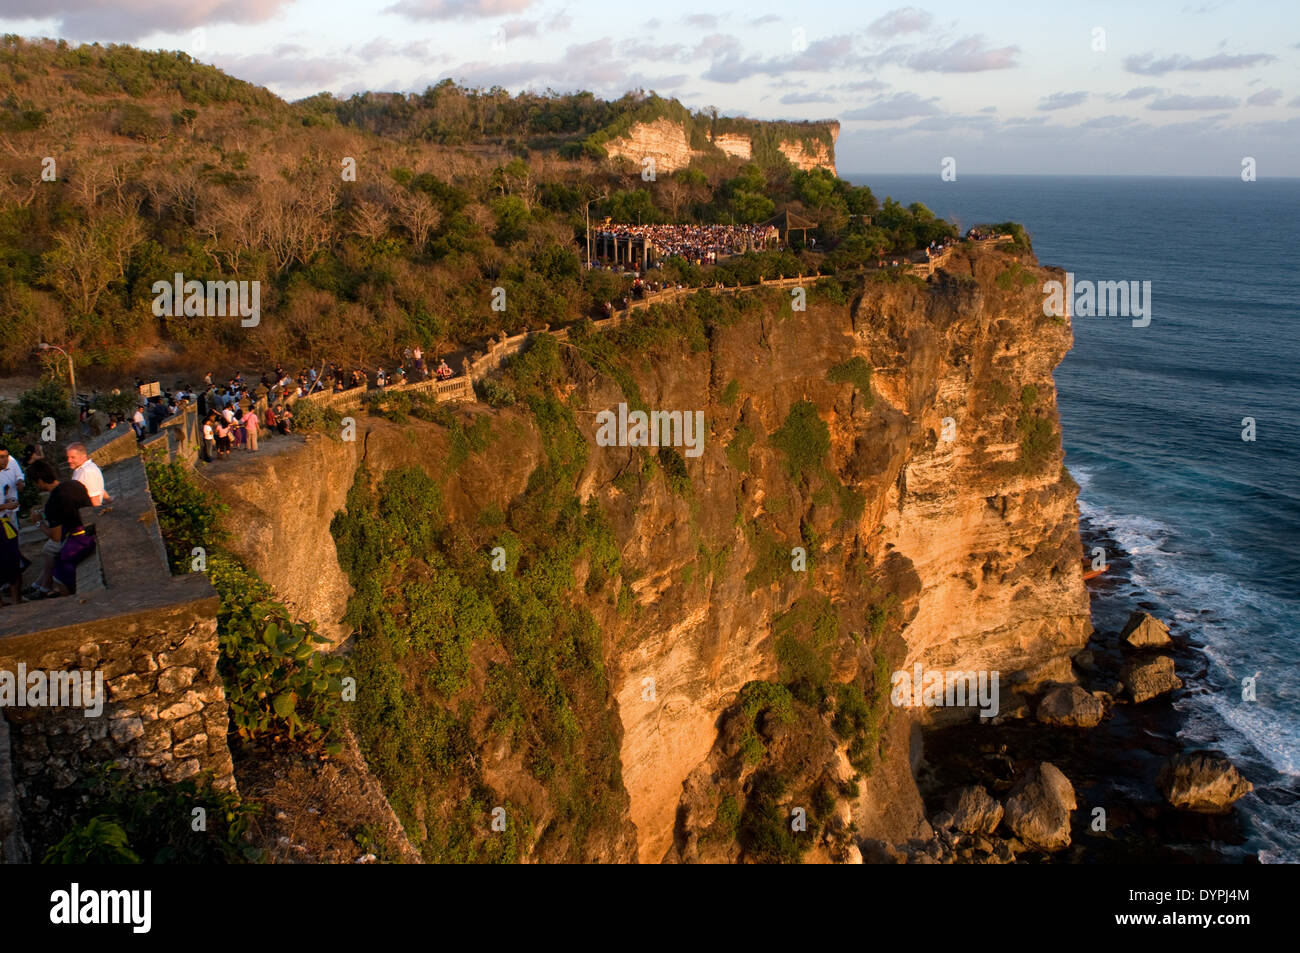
239, 413
701, 244
68, 541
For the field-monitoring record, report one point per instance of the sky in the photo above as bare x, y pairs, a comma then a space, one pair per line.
1150, 88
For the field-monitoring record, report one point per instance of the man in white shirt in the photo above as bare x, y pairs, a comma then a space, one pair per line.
86, 472
11, 484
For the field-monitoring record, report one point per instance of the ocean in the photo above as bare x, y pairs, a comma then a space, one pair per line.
1153, 420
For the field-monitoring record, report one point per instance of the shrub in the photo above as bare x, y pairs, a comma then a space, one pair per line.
675, 473
122, 822
1038, 440
494, 393
855, 371
277, 681
49, 398
311, 416
738, 449
765, 832
804, 438
188, 515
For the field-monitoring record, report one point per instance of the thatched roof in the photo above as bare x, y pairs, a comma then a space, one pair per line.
787, 220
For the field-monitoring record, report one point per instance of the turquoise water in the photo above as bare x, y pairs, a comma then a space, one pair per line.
1152, 423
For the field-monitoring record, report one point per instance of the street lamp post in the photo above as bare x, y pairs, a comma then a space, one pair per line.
72, 374
586, 214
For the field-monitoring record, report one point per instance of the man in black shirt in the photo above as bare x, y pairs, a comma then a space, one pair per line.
66, 542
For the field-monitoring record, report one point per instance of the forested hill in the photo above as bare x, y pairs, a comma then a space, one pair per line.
121, 167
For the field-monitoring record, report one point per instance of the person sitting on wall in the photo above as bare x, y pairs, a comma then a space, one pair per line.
66, 541
86, 471
444, 372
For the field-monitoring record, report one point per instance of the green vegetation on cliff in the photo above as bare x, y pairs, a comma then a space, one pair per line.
457, 657
279, 684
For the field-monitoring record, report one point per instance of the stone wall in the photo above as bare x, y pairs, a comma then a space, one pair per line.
152, 639
13, 849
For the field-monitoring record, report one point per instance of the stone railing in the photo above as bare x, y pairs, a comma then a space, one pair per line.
180, 437
503, 347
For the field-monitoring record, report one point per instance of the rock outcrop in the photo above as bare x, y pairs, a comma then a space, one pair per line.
1038, 808
1145, 631
1070, 706
1204, 782
1147, 678
974, 811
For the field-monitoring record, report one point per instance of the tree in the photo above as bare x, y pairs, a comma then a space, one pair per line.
370, 217
418, 215
86, 257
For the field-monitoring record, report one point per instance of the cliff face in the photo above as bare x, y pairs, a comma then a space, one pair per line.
814, 156
663, 140
667, 143
939, 525
734, 144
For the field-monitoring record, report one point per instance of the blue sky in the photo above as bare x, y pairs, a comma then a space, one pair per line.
1158, 88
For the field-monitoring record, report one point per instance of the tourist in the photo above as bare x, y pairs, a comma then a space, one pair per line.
87, 472
209, 439
137, 423
12, 562
66, 541
444, 372
250, 425
222, 430
283, 416
12, 483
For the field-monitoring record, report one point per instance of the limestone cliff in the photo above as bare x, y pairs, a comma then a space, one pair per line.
668, 143
938, 521
804, 156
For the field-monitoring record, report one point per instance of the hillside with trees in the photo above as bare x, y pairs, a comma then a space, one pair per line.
122, 167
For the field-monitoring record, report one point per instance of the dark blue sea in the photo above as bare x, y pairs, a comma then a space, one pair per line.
1153, 419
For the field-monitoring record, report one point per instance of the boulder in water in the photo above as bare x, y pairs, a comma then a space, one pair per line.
1147, 678
1205, 782
1145, 631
